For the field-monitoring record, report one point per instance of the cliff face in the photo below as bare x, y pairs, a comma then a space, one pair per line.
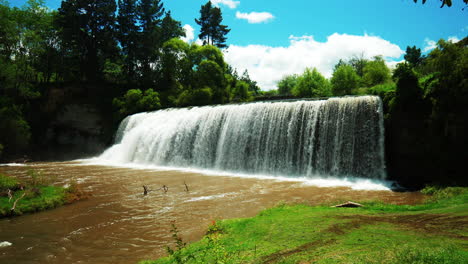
78, 129
72, 121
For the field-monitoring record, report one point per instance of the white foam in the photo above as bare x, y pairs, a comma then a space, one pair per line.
317, 180
5, 244
210, 197
13, 164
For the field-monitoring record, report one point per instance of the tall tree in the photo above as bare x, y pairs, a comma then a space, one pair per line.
87, 33
212, 32
170, 28
413, 56
150, 13
128, 35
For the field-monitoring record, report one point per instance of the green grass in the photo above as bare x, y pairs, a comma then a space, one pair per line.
37, 196
8, 183
433, 232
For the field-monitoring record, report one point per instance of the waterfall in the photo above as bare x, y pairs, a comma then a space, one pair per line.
335, 137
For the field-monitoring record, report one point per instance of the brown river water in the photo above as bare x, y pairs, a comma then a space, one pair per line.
118, 224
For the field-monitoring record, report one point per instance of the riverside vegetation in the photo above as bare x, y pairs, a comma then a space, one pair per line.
34, 194
432, 232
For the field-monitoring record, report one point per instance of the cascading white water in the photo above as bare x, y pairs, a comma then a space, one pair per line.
334, 137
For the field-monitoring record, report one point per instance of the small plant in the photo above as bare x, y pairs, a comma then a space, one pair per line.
214, 228
176, 253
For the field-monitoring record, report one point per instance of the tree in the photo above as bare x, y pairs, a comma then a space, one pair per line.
408, 91
212, 32
312, 84
87, 34
241, 92
287, 84
252, 85
376, 72
128, 35
344, 80
135, 101
150, 14
358, 63
170, 28
413, 56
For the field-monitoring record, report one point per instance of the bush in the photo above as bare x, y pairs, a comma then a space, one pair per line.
344, 80
7, 182
135, 101
195, 97
312, 84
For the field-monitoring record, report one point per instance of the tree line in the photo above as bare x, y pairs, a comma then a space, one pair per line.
125, 56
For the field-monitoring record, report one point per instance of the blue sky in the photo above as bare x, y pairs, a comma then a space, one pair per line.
314, 29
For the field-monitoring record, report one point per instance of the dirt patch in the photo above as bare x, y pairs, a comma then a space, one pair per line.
439, 224
338, 229
286, 253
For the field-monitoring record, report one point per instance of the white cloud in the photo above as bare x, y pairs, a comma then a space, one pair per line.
454, 39
393, 63
430, 45
267, 65
255, 17
189, 33
230, 3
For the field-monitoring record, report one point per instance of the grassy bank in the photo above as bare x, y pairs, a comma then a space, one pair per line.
33, 195
434, 232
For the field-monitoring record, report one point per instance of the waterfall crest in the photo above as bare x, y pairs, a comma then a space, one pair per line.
334, 137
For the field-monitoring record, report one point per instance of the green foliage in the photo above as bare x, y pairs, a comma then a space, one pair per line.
413, 56
49, 197
407, 90
212, 32
412, 254
135, 101
252, 85
376, 72
358, 63
127, 34
242, 93
344, 80
312, 84
195, 97
15, 132
87, 32
34, 194
7, 182
287, 84
269, 93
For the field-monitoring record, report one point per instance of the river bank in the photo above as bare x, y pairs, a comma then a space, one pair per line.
34, 194
433, 232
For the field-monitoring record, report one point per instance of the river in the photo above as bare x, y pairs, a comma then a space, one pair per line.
118, 224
